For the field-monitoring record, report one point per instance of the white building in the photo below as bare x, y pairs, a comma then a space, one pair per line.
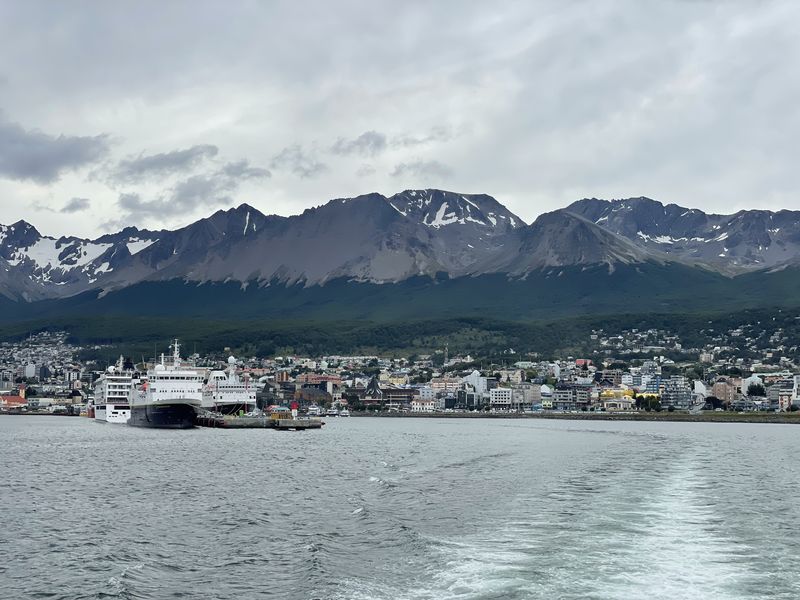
477, 382
418, 405
501, 398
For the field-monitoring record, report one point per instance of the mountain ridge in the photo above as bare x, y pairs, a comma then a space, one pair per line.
380, 239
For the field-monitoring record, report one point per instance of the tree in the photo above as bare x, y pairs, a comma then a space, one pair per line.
756, 389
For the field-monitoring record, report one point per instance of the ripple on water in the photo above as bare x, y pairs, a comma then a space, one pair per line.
399, 508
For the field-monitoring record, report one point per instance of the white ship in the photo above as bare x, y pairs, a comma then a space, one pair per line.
170, 397
227, 393
111, 394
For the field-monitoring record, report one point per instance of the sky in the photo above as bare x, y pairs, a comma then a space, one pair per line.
156, 114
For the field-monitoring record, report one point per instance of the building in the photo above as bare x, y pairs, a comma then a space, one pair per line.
779, 394
614, 400
12, 401
563, 398
418, 405
796, 391
501, 398
478, 383
512, 375
725, 390
427, 393
614, 376
650, 367
468, 400
677, 393
527, 395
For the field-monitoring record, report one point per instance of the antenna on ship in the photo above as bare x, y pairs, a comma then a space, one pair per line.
176, 355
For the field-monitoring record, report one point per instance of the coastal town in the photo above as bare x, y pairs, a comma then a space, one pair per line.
630, 371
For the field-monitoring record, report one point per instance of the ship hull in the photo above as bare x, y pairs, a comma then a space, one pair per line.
164, 415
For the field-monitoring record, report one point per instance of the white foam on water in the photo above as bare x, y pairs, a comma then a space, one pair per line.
666, 540
680, 549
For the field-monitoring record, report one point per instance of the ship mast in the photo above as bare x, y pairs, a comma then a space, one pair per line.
176, 355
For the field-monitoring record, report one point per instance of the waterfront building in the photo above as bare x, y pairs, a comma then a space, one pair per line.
677, 393
779, 394
419, 405
501, 398
468, 400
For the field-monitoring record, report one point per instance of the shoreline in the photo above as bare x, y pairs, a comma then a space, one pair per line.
776, 418
779, 418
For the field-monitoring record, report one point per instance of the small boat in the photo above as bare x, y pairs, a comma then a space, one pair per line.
344, 413
314, 411
332, 412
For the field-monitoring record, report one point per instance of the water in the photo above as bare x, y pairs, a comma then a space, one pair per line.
399, 508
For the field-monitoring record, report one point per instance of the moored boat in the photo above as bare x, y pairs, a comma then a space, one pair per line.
170, 397
111, 394
227, 393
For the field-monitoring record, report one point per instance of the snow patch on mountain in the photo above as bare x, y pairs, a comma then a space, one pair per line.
443, 217
136, 245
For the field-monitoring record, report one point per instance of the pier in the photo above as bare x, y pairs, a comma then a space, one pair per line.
263, 422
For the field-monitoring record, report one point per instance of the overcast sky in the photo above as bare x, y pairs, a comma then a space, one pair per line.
157, 113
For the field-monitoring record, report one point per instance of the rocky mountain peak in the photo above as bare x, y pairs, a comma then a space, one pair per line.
439, 208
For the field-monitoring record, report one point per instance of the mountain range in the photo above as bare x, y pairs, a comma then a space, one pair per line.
418, 250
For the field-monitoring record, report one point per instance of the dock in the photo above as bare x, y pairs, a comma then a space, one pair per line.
245, 422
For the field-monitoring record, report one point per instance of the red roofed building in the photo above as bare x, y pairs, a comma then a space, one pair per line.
12, 401
8, 401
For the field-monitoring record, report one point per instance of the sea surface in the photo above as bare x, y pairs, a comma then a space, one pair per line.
400, 508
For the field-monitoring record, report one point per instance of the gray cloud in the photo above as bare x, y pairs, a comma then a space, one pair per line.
422, 169
141, 167
298, 161
199, 191
436, 134
368, 143
76, 205
42, 158
241, 169
365, 170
